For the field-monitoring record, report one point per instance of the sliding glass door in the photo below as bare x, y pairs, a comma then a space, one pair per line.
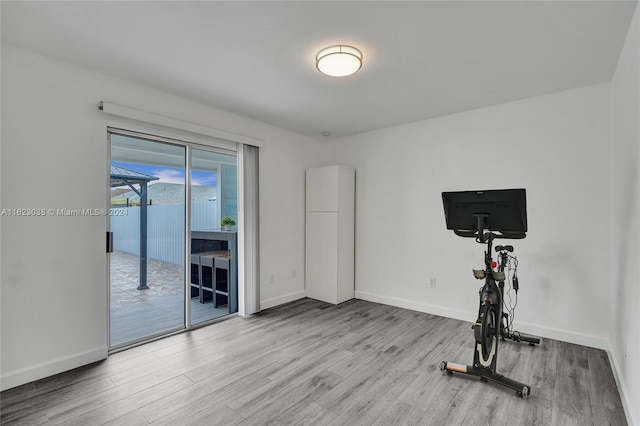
214, 216
164, 278
147, 221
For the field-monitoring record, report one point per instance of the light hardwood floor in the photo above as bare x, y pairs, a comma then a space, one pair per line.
358, 363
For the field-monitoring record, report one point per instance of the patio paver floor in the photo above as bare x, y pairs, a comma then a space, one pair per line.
140, 313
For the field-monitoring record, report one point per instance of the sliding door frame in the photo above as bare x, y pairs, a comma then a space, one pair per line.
188, 142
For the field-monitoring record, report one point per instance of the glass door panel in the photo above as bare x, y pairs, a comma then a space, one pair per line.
214, 196
147, 276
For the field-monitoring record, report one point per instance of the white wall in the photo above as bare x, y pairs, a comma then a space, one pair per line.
282, 216
625, 202
54, 155
555, 146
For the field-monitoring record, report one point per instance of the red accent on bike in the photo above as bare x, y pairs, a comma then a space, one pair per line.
494, 264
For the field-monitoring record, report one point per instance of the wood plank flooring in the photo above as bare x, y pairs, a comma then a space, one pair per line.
311, 363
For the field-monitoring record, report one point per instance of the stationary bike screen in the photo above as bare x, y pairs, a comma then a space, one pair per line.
503, 211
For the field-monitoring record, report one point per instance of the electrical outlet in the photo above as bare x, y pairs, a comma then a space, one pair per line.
272, 280
293, 273
432, 283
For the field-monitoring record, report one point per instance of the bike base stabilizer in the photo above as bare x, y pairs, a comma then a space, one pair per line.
484, 373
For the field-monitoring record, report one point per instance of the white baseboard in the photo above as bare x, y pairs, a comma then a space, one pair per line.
526, 328
633, 418
281, 300
416, 306
39, 371
582, 339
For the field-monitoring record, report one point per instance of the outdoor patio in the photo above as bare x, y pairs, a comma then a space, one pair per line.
140, 313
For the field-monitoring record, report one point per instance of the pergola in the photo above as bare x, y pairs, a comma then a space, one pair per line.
120, 177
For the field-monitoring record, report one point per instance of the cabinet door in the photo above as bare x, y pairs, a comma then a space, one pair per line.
322, 189
321, 257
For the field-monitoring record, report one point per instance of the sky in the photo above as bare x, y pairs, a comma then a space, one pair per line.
171, 174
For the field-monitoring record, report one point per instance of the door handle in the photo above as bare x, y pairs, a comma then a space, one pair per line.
109, 242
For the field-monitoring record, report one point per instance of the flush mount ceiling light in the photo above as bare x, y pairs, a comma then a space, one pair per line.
339, 60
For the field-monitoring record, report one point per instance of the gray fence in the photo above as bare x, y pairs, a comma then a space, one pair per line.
165, 229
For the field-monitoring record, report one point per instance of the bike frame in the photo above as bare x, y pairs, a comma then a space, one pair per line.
490, 293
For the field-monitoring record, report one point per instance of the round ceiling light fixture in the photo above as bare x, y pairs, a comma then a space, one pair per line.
339, 60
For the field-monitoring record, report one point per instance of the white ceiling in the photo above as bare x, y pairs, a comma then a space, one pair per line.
422, 59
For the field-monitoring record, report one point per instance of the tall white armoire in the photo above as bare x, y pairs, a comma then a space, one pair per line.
330, 234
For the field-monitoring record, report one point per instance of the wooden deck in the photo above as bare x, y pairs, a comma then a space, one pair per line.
308, 362
140, 313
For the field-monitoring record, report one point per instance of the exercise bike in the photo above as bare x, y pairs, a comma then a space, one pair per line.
503, 214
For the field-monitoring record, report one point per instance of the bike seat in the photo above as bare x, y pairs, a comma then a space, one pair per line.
507, 248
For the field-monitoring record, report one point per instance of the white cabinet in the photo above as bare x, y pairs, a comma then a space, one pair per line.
329, 254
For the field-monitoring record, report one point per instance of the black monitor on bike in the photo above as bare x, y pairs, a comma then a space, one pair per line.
502, 212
